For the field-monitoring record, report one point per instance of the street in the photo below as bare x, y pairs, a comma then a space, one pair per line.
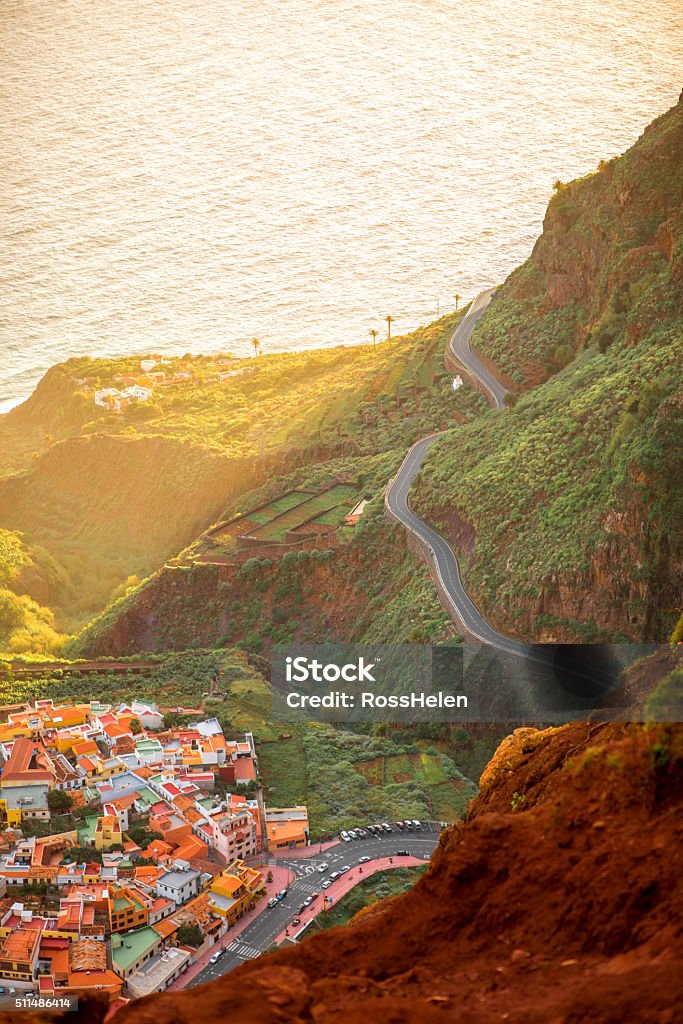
270, 923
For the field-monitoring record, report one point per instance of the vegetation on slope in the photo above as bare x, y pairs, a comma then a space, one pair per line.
380, 886
112, 495
567, 508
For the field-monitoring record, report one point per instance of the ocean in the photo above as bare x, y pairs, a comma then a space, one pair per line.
187, 175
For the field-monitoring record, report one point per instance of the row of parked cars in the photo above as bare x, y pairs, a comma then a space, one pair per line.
376, 830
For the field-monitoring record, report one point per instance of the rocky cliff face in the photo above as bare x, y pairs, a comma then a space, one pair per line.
558, 900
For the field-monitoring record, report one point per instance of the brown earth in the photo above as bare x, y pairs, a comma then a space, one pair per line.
558, 901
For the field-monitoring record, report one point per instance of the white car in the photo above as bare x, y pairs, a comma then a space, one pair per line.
322, 868
345, 837
326, 884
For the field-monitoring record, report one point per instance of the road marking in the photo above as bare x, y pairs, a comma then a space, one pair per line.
242, 950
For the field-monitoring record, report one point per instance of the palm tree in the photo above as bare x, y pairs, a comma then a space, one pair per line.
457, 300
374, 338
257, 346
389, 320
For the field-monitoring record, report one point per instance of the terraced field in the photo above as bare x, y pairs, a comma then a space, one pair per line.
313, 507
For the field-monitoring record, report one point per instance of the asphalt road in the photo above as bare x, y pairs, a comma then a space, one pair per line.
438, 551
270, 923
459, 346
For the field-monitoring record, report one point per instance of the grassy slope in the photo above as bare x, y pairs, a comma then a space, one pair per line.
573, 494
109, 496
380, 886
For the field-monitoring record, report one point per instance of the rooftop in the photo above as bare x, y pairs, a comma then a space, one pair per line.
133, 945
150, 977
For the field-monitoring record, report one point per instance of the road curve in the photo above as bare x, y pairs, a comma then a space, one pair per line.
438, 551
459, 347
260, 934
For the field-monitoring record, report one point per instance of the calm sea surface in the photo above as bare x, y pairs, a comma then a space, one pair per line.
183, 176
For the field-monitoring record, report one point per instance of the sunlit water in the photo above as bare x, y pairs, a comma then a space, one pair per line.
183, 176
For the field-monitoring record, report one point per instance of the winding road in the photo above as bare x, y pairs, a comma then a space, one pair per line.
436, 549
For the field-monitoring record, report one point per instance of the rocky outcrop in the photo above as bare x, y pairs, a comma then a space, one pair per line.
558, 901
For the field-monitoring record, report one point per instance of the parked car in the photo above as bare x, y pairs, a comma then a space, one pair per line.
281, 894
408, 825
301, 908
216, 956
273, 903
322, 868
400, 824
364, 860
326, 884
334, 876
345, 836
417, 824
308, 901
386, 826
402, 853
373, 829
354, 833
344, 868
361, 833
296, 921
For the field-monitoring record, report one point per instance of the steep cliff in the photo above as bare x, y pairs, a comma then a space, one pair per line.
566, 509
558, 900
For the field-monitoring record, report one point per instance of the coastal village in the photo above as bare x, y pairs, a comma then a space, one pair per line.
128, 848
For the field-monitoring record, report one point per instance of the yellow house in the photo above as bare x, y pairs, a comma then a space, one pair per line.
11, 814
235, 891
10, 731
107, 832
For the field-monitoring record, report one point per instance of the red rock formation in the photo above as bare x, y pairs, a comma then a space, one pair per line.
558, 901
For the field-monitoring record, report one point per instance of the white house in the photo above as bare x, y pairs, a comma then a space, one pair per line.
148, 715
108, 398
179, 884
147, 364
138, 392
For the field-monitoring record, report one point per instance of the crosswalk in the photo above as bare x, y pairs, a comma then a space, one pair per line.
242, 950
308, 887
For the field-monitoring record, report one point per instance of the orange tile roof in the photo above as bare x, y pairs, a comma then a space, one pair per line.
146, 872
28, 762
19, 945
88, 955
115, 730
166, 927
226, 884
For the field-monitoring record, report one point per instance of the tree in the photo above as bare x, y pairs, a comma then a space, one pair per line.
58, 800
457, 300
256, 344
190, 935
374, 338
135, 726
389, 320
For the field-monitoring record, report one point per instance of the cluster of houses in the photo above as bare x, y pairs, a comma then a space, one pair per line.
139, 387
166, 823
